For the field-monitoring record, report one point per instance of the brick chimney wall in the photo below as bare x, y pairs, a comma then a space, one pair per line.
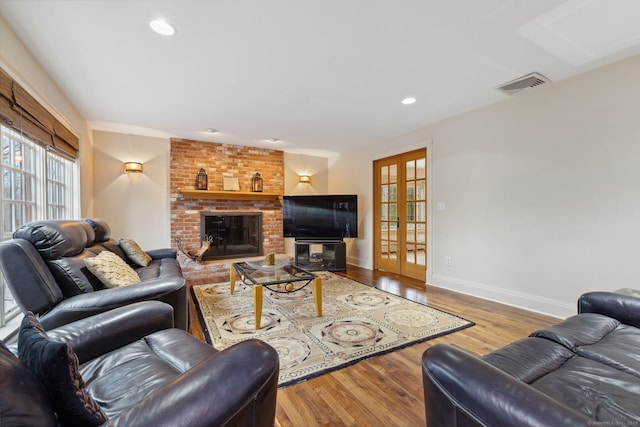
187, 157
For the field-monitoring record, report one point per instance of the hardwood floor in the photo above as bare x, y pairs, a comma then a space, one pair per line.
387, 390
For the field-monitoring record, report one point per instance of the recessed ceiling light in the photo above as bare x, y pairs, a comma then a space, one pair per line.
274, 140
210, 130
408, 100
162, 27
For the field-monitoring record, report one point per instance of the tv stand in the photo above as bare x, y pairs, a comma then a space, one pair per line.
314, 255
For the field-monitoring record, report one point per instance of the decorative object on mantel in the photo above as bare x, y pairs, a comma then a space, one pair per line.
202, 181
230, 183
256, 183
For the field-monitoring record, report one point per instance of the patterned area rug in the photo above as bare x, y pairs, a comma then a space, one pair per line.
358, 322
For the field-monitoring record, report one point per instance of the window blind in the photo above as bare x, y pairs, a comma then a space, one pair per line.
22, 112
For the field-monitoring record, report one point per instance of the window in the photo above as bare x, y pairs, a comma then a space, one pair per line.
36, 184
59, 175
18, 182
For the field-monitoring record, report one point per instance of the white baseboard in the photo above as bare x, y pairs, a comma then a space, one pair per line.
526, 301
358, 262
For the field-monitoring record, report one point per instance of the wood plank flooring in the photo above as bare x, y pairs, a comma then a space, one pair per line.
387, 390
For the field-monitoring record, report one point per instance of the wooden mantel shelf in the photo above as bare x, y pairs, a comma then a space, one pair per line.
229, 195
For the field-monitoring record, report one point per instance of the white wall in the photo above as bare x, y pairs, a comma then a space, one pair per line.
134, 205
541, 192
18, 62
315, 167
353, 174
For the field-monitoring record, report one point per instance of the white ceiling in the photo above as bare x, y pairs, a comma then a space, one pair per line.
323, 76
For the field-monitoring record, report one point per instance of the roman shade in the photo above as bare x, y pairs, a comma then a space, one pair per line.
22, 112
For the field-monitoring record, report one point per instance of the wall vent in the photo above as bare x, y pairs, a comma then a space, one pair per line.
521, 83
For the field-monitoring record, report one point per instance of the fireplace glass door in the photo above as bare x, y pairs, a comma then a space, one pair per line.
232, 235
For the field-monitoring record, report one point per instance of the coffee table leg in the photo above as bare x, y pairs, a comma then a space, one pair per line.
317, 295
257, 303
232, 278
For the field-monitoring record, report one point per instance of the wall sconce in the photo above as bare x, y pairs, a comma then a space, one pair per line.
133, 167
304, 179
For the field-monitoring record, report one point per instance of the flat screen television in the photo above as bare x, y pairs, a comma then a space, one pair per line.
320, 217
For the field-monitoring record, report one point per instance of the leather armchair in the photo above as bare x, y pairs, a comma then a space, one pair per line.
43, 265
142, 372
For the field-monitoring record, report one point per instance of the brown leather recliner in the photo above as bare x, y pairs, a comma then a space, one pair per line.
142, 372
44, 267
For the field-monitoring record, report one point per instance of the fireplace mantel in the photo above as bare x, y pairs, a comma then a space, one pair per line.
229, 195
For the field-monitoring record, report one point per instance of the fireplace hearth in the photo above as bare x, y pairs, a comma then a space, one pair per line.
231, 234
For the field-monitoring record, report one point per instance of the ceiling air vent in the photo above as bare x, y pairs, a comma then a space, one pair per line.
521, 83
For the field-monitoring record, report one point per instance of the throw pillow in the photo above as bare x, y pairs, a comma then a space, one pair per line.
57, 367
112, 270
134, 252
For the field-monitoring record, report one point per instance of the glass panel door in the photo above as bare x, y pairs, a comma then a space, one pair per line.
386, 246
416, 220
400, 217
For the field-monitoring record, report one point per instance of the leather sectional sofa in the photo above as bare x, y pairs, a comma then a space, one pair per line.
44, 266
583, 371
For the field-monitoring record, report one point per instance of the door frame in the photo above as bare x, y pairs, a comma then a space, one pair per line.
428, 145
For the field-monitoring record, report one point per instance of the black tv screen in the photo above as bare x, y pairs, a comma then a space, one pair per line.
320, 217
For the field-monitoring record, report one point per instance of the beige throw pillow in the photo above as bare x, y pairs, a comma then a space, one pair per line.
134, 253
112, 270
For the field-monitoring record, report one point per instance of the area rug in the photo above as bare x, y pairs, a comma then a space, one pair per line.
358, 322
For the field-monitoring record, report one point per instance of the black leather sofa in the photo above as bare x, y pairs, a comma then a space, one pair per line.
44, 267
583, 371
142, 372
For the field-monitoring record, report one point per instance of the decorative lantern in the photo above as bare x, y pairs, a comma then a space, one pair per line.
256, 183
202, 181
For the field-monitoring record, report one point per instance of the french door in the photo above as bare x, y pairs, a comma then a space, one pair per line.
400, 216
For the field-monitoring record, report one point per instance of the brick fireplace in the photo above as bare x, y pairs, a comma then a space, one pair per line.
219, 160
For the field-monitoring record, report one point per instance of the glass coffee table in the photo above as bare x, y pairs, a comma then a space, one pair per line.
281, 277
